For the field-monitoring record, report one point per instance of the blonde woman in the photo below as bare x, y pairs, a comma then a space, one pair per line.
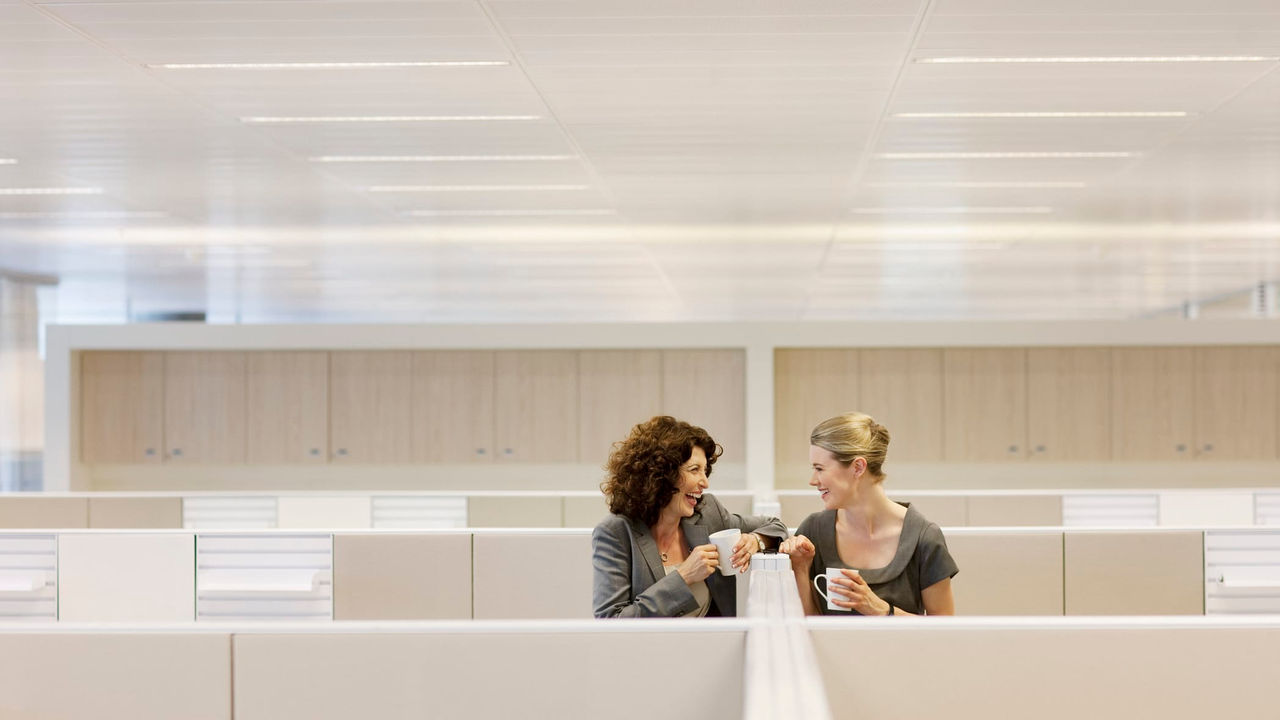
879, 557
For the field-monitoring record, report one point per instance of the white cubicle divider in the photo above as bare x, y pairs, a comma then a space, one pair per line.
419, 512
229, 512
314, 512
531, 574
28, 577
1201, 508
781, 675
1111, 509
1266, 508
1242, 572
279, 576
126, 576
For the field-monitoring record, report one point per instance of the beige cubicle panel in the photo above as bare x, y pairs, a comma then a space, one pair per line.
736, 503
514, 511
1134, 573
531, 575
797, 507
1052, 672
420, 576
495, 673
135, 512
126, 577
945, 510
1015, 510
1007, 573
138, 676
44, 513
583, 511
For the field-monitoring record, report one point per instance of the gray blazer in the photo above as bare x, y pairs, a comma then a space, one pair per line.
629, 580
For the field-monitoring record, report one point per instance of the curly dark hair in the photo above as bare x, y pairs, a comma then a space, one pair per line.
644, 468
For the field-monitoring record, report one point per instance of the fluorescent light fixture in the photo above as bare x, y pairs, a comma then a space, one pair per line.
956, 210
981, 185
1102, 59
1020, 115
470, 188
1001, 155
506, 213
86, 215
325, 65
435, 158
51, 191
8, 161
382, 118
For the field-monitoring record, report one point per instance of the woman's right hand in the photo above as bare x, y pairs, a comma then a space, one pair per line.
801, 550
702, 561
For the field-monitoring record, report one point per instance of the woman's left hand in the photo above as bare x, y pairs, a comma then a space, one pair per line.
747, 546
861, 598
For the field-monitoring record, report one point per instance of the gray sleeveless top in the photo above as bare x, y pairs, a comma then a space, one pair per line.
921, 560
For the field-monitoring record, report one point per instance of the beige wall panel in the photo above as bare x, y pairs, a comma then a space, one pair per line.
402, 577
490, 675
124, 577
1152, 403
984, 404
532, 511
1067, 673
1069, 404
43, 512
1134, 573
739, 503
1015, 510
324, 513
536, 406
204, 407
902, 390
708, 388
370, 407
1007, 573
287, 406
115, 676
1237, 393
453, 407
583, 512
532, 575
945, 510
798, 507
810, 385
121, 407
616, 390
135, 512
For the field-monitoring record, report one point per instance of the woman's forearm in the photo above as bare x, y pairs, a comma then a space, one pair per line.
806, 593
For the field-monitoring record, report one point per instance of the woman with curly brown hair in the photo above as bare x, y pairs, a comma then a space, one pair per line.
651, 556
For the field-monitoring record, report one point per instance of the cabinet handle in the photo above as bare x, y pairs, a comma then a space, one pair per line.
315, 451
1208, 447
150, 452
506, 451
177, 452
1181, 447
1013, 448
342, 451
1039, 448
479, 451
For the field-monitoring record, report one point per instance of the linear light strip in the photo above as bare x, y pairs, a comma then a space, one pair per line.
326, 65
469, 188
979, 185
1000, 155
1020, 115
52, 191
382, 118
956, 210
1102, 59
435, 158
90, 215
8, 161
504, 213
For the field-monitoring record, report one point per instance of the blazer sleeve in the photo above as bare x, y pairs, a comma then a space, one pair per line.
612, 594
718, 515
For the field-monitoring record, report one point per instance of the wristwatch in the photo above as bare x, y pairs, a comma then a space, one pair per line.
759, 541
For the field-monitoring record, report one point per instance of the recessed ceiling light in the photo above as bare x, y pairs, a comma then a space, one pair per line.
325, 65
51, 191
979, 185
1019, 115
469, 188
504, 213
956, 210
1103, 59
8, 161
1000, 155
383, 118
435, 158
86, 215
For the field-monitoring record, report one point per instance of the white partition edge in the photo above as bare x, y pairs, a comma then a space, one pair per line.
782, 679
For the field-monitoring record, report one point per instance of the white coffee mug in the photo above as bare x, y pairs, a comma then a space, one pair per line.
725, 541
833, 595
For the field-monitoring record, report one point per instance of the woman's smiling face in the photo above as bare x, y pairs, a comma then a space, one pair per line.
834, 480
690, 485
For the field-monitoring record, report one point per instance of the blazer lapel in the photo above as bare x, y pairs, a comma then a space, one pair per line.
695, 534
648, 548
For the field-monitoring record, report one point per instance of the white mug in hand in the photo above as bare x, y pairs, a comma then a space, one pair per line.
725, 541
831, 593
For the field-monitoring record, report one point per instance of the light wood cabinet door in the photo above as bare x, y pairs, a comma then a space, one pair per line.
617, 389
453, 406
204, 407
287, 401
1152, 403
371, 406
902, 390
985, 404
1236, 399
708, 388
1069, 404
121, 407
810, 385
536, 406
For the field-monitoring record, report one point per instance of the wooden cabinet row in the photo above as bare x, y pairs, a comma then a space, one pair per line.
1038, 404
397, 406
